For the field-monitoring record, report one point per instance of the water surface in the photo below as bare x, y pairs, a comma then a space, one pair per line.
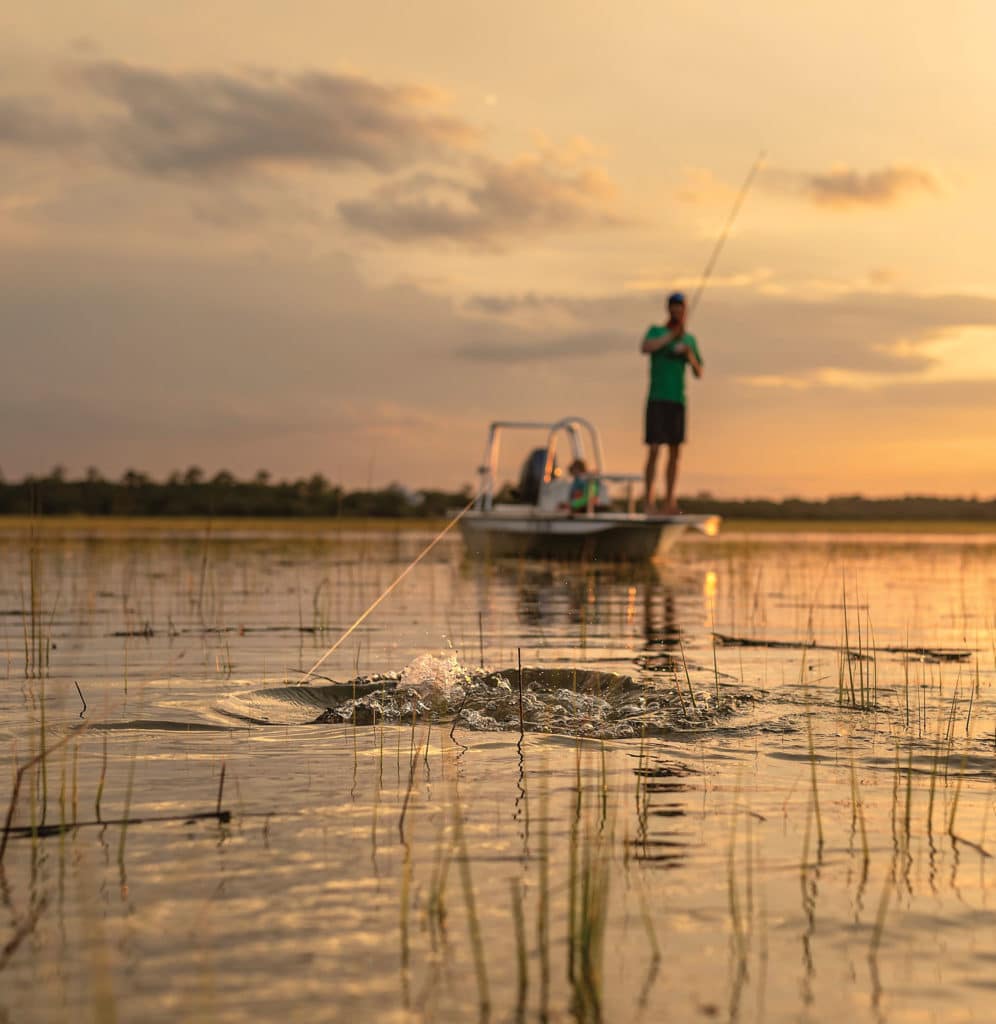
789, 823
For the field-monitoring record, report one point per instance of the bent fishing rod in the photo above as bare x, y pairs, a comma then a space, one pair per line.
725, 233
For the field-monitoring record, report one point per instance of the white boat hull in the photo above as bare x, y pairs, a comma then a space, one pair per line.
606, 536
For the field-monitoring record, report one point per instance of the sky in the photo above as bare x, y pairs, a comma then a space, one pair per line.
339, 238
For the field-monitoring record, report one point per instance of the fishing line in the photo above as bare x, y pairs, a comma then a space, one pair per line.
721, 241
706, 274
411, 565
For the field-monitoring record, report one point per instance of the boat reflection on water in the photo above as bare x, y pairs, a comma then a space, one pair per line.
594, 613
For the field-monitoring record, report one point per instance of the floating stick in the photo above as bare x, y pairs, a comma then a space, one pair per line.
82, 698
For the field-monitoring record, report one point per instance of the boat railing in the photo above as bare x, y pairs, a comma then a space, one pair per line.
570, 425
629, 479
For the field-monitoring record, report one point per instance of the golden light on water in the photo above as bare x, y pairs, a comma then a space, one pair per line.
603, 715
711, 526
710, 585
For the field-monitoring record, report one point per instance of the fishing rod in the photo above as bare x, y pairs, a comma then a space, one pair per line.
745, 188
390, 587
724, 234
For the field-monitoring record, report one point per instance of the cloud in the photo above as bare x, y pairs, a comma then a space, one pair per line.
214, 130
843, 187
498, 305
158, 359
208, 123
187, 124
579, 345
31, 123
532, 194
289, 360
837, 340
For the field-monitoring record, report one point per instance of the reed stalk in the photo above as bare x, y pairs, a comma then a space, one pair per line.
847, 643
957, 795
16, 789
688, 680
543, 902
41, 746
812, 771
733, 901
127, 813
100, 782
858, 812
521, 952
473, 923
908, 812
934, 772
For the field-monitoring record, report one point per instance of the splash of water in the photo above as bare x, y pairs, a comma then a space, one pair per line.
575, 702
436, 676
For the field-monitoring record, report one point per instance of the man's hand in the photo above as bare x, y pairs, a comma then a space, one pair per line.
650, 345
653, 345
693, 361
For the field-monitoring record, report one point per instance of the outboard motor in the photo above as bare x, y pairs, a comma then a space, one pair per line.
533, 470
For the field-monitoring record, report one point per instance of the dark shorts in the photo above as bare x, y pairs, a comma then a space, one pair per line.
665, 422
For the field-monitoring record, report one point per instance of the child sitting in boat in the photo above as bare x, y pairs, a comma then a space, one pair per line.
587, 492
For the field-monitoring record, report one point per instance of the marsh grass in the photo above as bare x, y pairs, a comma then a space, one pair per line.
123, 835
858, 818
33, 762
521, 949
543, 901
436, 911
815, 791
738, 926
588, 938
547, 913
473, 922
22, 930
688, 678
37, 623
102, 779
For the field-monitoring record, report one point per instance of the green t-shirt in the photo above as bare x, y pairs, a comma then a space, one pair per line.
667, 371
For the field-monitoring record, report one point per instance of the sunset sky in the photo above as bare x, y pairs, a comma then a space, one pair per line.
341, 238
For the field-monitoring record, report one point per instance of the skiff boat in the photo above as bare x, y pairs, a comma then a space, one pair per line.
539, 521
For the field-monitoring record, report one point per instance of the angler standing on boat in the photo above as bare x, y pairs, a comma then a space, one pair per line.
671, 349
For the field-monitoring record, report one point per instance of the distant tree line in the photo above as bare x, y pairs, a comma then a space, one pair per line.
849, 508
193, 493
